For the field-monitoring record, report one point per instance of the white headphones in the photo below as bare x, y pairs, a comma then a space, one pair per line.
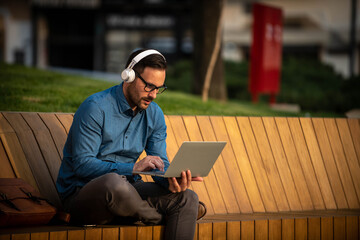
128, 75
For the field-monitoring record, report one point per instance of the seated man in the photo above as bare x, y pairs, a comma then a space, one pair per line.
109, 132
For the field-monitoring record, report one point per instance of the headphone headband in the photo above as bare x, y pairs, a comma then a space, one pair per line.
142, 55
128, 75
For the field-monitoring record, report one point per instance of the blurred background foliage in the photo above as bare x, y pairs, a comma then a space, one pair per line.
315, 87
306, 82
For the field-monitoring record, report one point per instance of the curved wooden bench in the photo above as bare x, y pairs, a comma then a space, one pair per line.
277, 176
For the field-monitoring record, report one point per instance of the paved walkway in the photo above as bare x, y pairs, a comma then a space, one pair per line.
104, 76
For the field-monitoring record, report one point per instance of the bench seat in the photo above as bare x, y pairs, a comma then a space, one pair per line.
277, 176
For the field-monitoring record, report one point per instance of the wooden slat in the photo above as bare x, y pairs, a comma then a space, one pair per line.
244, 164
330, 164
219, 168
93, 234
205, 231
128, 233
306, 164
17, 158
232, 168
341, 163
56, 129
314, 226
60, 235
76, 234
327, 228
301, 229
158, 232
288, 229
39, 236
110, 233
178, 127
316, 158
5, 126
354, 125
5, 237
294, 163
6, 171
219, 231
350, 153
46, 143
171, 144
20, 236
210, 183
275, 229
144, 233
352, 227
247, 230
257, 164
66, 120
261, 229
233, 230
275, 167
35, 160
339, 228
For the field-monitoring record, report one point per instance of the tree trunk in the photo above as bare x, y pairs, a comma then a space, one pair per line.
205, 25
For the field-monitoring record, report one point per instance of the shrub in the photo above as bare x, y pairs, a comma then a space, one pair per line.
307, 82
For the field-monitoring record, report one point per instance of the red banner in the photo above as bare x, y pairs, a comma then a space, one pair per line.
266, 50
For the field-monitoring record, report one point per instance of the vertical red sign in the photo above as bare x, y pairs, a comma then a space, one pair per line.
266, 50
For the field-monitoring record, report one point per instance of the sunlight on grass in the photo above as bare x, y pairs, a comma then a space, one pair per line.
34, 90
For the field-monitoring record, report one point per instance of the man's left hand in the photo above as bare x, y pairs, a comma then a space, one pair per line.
182, 183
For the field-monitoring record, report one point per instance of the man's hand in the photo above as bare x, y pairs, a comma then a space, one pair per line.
148, 163
182, 183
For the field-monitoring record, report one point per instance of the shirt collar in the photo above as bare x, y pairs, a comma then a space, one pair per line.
124, 106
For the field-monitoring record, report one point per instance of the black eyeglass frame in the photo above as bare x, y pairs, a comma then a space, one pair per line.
160, 89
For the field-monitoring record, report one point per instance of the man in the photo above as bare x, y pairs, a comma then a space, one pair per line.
109, 132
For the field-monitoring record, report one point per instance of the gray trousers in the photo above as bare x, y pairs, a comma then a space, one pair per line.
112, 199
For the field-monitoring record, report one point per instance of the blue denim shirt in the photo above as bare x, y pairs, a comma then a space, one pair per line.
105, 137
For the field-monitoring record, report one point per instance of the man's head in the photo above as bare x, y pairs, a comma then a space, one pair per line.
149, 79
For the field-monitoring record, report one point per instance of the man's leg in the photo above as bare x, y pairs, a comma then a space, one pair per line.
108, 196
180, 209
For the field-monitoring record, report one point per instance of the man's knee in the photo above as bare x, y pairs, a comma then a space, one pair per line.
191, 196
190, 201
116, 184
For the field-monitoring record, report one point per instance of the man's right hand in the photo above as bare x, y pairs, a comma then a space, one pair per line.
148, 163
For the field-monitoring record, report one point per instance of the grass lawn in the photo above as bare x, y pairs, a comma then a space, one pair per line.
34, 90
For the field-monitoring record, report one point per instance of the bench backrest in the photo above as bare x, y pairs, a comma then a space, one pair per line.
270, 164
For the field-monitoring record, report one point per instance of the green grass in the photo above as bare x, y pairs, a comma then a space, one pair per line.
34, 90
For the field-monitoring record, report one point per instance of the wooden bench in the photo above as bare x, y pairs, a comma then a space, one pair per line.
289, 178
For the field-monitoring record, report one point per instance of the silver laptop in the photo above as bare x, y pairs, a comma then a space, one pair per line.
198, 157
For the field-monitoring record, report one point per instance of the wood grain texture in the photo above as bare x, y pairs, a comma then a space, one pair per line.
341, 163
180, 132
220, 172
317, 161
293, 161
244, 164
306, 163
257, 164
210, 181
276, 166
232, 168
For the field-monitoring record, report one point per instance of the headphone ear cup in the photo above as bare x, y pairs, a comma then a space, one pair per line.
128, 75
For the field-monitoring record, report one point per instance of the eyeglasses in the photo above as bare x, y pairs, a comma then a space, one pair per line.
151, 87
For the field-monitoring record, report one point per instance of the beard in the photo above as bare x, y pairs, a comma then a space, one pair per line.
135, 100
144, 103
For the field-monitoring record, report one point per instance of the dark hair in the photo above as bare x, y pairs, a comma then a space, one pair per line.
153, 61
